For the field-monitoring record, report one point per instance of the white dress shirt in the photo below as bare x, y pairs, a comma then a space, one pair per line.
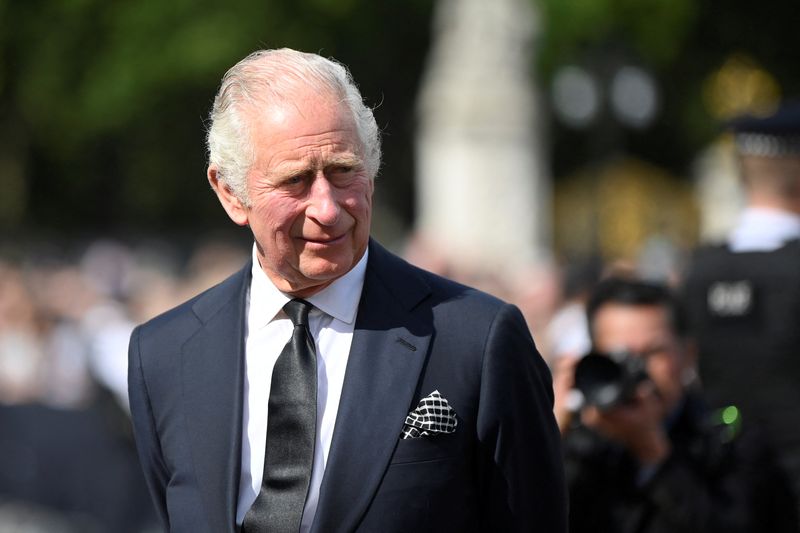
763, 230
268, 329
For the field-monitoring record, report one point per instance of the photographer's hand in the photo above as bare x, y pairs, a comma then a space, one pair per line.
563, 382
637, 425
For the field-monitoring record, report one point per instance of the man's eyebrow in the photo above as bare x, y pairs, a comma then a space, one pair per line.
654, 348
290, 168
285, 170
347, 159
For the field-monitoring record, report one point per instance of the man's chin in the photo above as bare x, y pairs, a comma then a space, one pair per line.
326, 271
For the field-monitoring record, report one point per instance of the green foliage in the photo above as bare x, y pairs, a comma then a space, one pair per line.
103, 103
654, 30
88, 66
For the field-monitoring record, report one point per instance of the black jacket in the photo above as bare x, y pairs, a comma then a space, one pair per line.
415, 333
716, 479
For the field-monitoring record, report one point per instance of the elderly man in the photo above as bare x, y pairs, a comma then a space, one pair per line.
330, 386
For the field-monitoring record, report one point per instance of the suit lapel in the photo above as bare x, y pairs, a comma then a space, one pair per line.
213, 373
387, 354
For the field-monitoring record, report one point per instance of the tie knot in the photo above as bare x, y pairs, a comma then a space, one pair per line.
297, 310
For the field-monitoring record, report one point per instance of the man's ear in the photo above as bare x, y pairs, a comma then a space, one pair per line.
232, 204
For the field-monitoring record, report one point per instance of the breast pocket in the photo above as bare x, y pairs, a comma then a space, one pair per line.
427, 480
427, 448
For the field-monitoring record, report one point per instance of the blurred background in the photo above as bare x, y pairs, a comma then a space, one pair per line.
528, 144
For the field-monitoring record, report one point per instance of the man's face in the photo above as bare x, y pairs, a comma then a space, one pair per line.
644, 330
310, 196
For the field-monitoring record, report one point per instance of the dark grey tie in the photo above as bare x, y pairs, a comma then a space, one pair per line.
291, 429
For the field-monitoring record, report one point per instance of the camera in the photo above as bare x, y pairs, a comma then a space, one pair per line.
608, 380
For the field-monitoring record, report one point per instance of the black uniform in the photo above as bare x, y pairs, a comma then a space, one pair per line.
744, 308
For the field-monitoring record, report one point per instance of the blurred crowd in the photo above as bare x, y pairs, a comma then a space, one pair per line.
67, 457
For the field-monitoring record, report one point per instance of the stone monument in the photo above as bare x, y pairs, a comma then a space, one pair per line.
483, 197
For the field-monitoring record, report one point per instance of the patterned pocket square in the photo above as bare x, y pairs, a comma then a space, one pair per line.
432, 416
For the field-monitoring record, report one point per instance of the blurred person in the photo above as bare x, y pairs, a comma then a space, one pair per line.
645, 454
421, 251
156, 283
62, 299
536, 290
21, 348
403, 401
84, 334
107, 269
106, 328
744, 295
566, 336
661, 260
210, 263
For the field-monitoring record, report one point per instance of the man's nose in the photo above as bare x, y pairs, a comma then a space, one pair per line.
322, 204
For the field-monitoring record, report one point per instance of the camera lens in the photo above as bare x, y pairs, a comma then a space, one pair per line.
606, 381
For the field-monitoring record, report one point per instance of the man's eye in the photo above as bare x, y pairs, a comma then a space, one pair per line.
341, 169
293, 181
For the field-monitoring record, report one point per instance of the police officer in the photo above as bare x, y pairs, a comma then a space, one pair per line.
743, 296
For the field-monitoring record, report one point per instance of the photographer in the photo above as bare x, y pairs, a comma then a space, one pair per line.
642, 453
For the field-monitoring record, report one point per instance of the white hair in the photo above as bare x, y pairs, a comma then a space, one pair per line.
270, 78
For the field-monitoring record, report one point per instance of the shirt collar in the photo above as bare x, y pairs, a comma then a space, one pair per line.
762, 229
339, 299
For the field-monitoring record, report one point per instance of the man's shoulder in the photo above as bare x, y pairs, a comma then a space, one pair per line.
717, 261
201, 307
410, 281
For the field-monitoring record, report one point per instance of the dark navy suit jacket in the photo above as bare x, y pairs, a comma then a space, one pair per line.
501, 470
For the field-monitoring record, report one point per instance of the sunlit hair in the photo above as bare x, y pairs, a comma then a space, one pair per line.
270, 78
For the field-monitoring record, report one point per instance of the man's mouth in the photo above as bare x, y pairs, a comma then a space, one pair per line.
323, 240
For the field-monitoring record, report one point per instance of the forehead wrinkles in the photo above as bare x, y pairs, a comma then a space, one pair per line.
313, 151
305, 130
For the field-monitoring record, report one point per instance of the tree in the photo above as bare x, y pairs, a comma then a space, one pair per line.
104, 103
